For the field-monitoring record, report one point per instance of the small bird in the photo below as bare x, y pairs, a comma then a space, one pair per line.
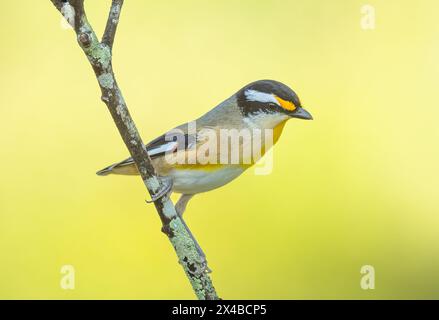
262, 105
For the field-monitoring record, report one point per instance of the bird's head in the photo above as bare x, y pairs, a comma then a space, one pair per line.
270, 102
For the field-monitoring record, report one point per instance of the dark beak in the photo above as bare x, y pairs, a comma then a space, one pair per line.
301, 114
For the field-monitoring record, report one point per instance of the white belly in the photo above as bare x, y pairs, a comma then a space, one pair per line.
191, 181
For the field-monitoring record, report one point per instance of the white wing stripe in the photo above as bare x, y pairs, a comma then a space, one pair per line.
169, 146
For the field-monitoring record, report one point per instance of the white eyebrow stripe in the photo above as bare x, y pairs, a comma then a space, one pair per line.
254, 95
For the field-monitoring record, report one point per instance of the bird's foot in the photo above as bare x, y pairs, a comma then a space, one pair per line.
164, 191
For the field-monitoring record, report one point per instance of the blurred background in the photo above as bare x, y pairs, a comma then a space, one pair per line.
356, 186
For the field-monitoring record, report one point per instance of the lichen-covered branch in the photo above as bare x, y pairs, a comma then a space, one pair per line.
99, 54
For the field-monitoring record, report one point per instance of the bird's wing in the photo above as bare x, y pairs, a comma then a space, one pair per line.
168, 143
172, 141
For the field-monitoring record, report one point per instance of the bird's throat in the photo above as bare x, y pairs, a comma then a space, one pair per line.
277, 131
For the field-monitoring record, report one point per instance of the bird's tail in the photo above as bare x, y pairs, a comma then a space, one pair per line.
125, 164
106, 171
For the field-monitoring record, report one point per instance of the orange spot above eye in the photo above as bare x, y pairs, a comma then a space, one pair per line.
288, 105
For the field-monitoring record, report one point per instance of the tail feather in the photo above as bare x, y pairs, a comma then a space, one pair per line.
108, 170
156, 148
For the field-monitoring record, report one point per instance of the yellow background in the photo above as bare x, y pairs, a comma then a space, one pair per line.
358, 185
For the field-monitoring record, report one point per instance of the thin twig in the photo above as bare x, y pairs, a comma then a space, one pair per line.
100, 56
112, 22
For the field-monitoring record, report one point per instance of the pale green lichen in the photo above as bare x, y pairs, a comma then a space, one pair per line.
97, 53
69, 14
115, 11
106, 80
191, 260
101, 54
153, 183
122, 111
169, 210
183, 242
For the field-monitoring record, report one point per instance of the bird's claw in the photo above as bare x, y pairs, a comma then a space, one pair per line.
162, 192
